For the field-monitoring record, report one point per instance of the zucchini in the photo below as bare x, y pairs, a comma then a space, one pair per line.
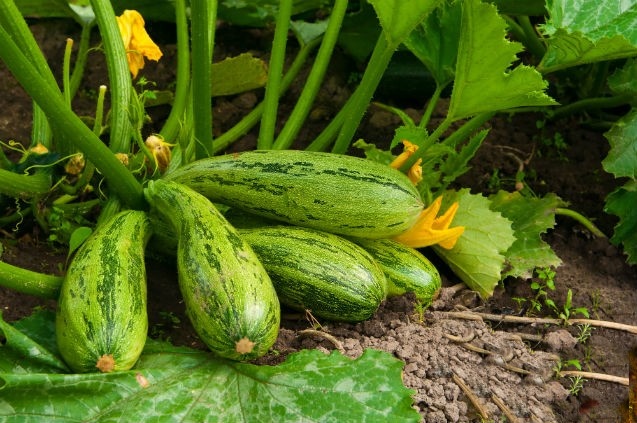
229, 297
405, 268
334, 193
101, 320
321, 272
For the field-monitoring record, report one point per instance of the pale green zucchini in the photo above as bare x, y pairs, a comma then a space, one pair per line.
330, 192
406, 269
312, 270
229, 297
101, 320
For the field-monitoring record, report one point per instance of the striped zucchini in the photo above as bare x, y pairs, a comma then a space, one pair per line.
406, 269
229, 297
313, 270
330, 192
101, 320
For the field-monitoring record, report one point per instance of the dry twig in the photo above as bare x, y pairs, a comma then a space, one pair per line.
472, 397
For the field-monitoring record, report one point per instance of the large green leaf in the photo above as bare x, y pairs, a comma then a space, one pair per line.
483, 82
184, 385
478, 256
584, 31
622, 202
399, 17
531, 217
622, 158
624, 79
435, 41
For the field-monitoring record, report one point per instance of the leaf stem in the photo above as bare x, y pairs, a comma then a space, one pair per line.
118, 74
587, 104
171, 127
275, 75
582, 220
22, 185
355, 109
313, 83
203, 16
29, 282
66, 72
531, 40
431, 106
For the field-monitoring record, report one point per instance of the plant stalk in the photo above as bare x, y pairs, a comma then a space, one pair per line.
29, 282
312, 85
203, 16
581, 219
275, 75
23, 186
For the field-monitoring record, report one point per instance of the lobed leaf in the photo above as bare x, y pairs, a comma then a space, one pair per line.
530, 218
621, 203
478, 256
183, 385
399, 17
584, 31
483, 82
621, 160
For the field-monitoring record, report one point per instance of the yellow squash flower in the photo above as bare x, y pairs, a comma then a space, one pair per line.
429, 229
136, 41
415, 172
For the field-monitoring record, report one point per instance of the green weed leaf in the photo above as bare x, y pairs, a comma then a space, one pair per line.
185, 385
624, 79
478, 256
530, 218
622, 158
621, 203
583, 31
483, 82
399, 17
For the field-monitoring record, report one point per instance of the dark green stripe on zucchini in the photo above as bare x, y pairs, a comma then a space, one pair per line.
101, 321
229, 297
334, 193
406, 269
311, 270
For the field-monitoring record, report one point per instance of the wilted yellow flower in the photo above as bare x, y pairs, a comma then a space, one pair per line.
136, 41
122, 157
429, 229
415, 172
39, 148
160, 150
75, 165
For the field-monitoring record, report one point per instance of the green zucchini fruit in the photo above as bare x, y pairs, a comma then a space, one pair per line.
101, 320
321, 272
334, 193
405, 268
229, 296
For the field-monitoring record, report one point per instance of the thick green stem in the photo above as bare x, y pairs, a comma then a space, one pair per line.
23, 186
303, 105
591, 104
582, 220
12, 21
121, 181
121, 87
252, 118
275, 75
531, 40
356, 108
203, 16
171, 127
29, 282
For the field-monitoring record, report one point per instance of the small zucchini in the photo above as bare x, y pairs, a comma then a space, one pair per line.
229, 297
406, 269
101, 319
312, 270
334, 193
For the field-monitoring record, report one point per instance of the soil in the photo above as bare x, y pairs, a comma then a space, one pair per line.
507, 363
